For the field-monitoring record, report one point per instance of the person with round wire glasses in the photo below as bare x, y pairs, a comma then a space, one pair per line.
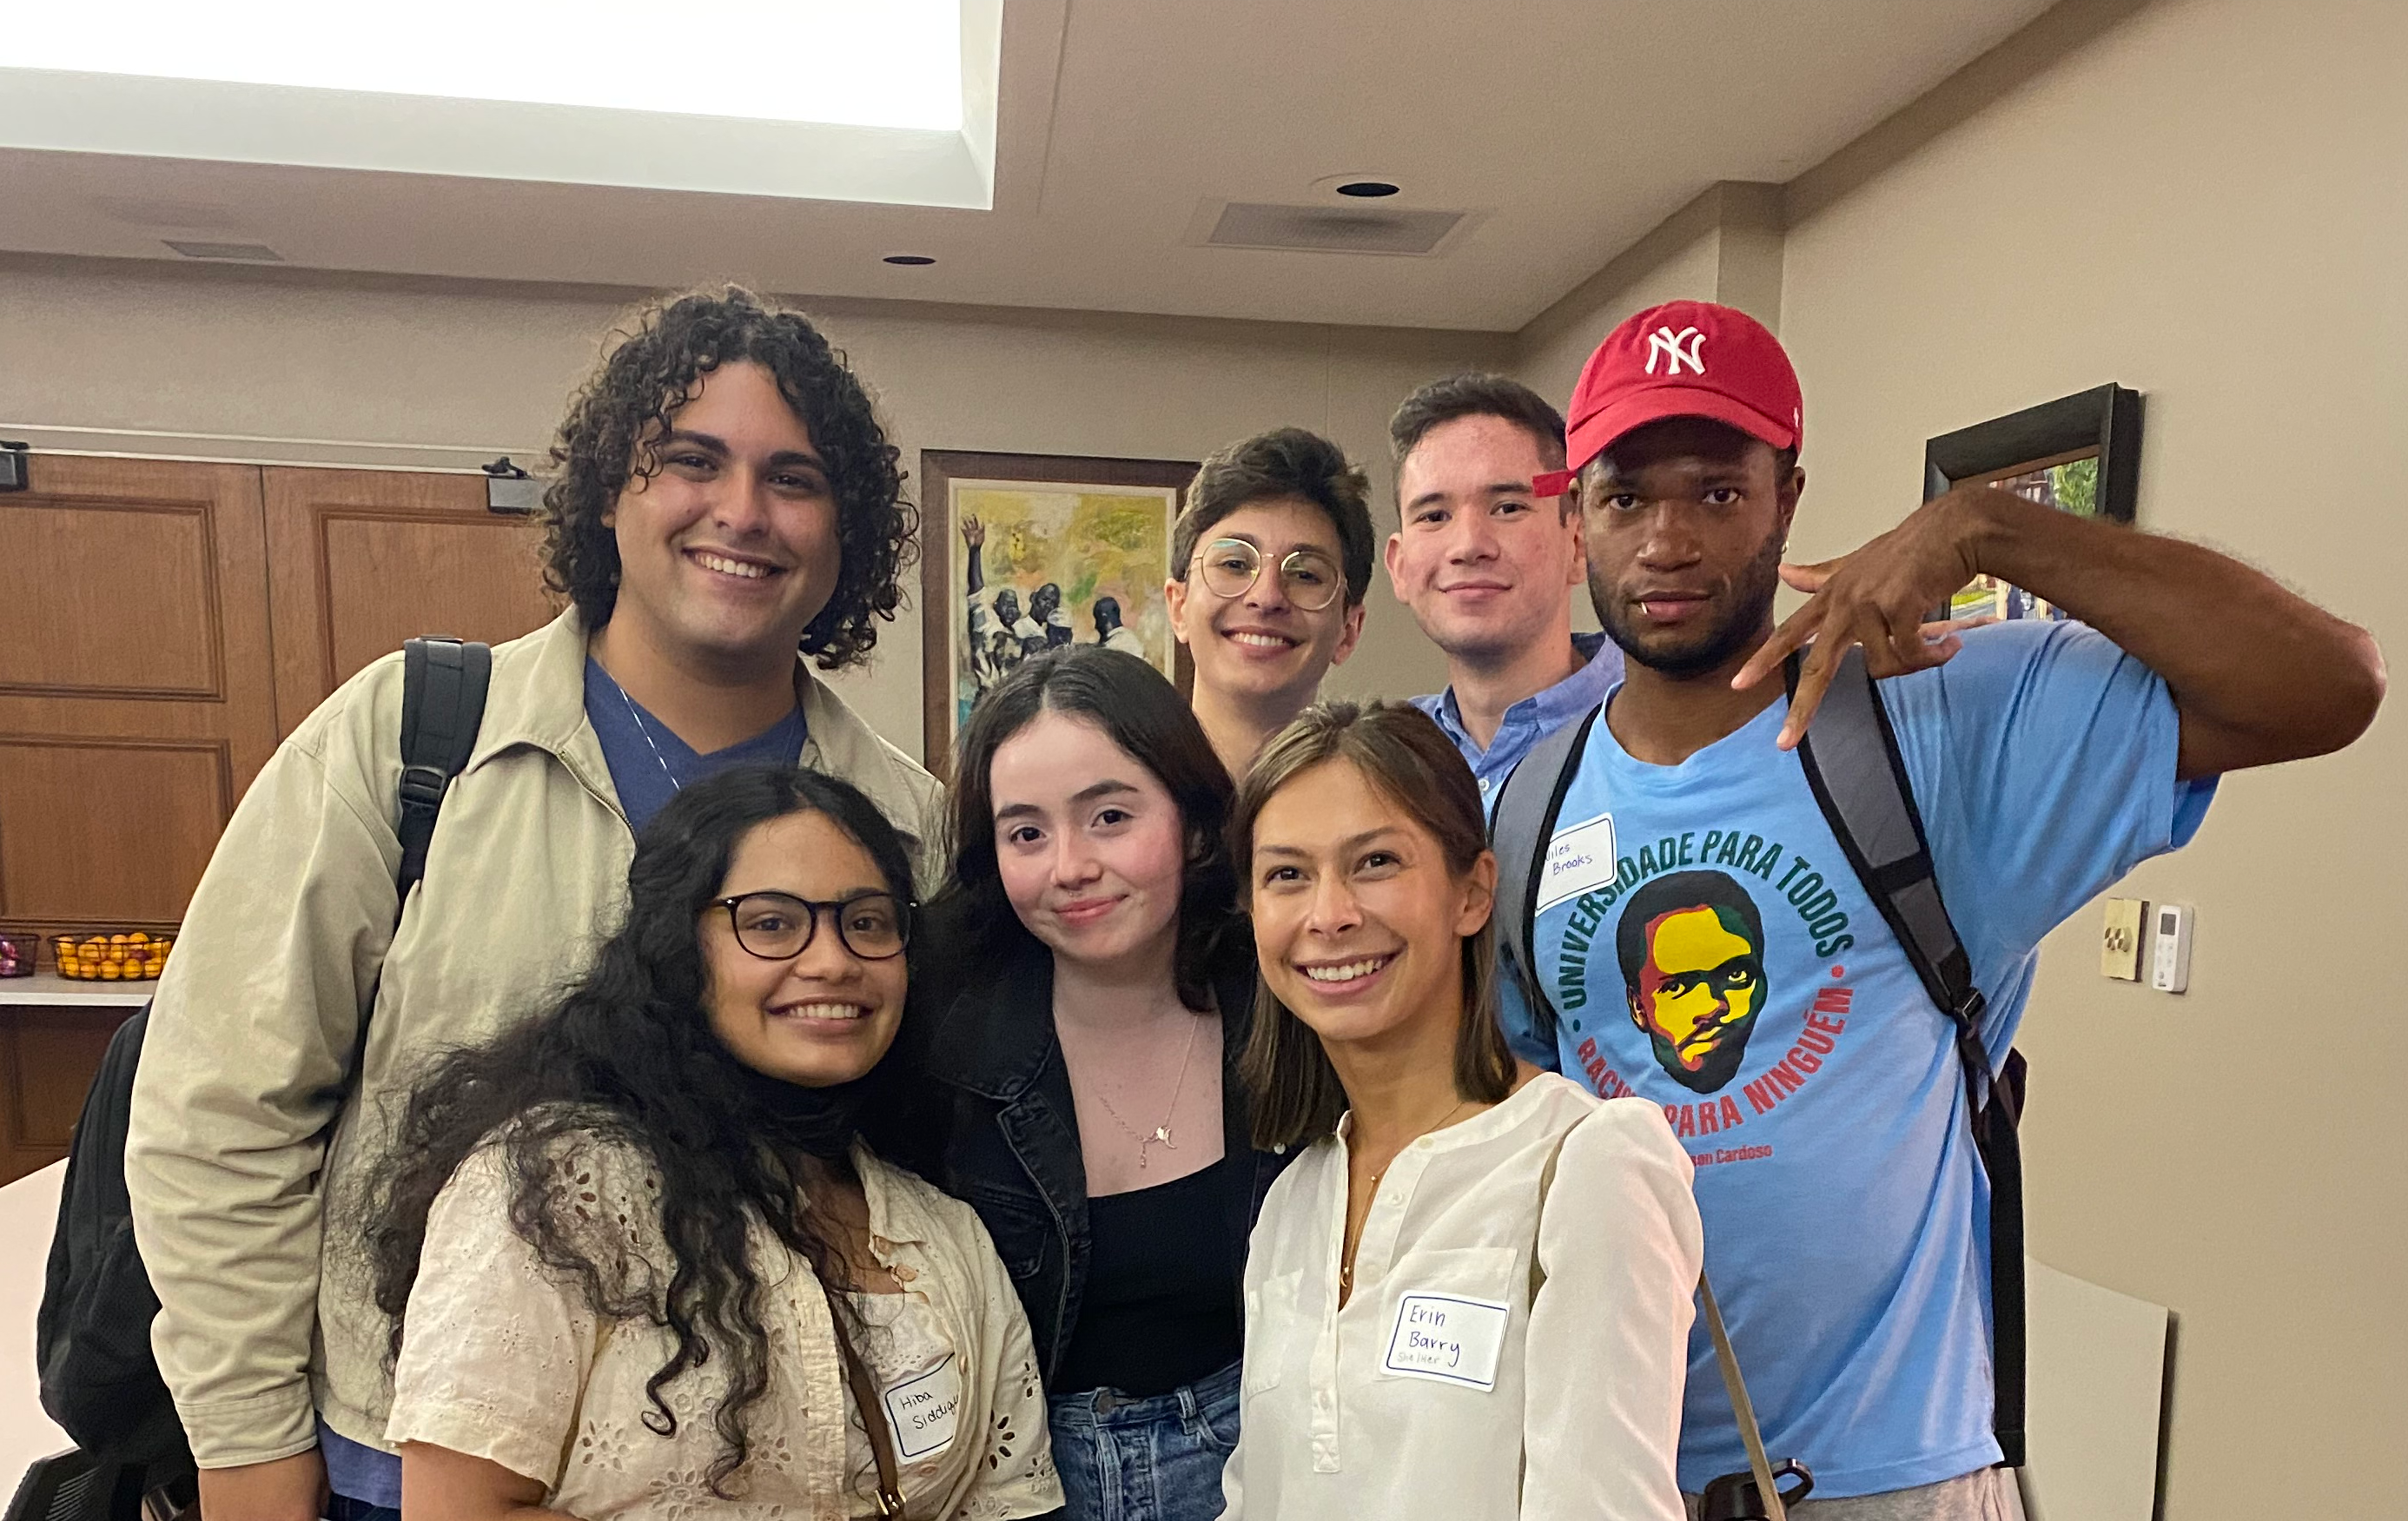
1270, 562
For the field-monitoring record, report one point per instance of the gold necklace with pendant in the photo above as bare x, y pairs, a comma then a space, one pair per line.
1346, 1256
1160, 1135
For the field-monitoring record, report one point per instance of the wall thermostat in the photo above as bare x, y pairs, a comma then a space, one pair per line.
2170, 947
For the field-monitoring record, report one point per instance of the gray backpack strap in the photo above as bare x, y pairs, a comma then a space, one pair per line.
1853, 764
1858, 776
1520, 831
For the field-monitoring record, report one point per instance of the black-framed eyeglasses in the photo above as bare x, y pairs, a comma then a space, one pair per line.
779, 926
1231, 567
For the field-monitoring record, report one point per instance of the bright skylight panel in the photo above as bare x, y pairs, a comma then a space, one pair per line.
852, 63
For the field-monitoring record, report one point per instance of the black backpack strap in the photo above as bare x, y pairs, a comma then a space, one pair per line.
1852, 762
443, 686
1520, 831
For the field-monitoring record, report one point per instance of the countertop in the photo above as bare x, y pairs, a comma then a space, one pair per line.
56, 991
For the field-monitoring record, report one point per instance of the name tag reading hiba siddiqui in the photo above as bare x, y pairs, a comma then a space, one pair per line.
923, 1411
1447, 1338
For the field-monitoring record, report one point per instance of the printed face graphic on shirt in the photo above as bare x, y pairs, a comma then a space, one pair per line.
1692, 952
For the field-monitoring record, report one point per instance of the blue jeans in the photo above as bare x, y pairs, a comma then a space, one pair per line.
344, 1508
1156, 1459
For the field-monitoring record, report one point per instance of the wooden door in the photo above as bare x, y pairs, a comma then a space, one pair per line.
141, 691
135, 698
362, 560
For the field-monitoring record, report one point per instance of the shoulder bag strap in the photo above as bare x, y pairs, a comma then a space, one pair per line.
1858, 776
873, 1415
1520, 832
1758, 1463
443, 684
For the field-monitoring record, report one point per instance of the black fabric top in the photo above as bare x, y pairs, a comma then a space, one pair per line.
1011, 1141
1164, 1282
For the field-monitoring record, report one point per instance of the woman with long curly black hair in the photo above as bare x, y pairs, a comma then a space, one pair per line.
660, 1252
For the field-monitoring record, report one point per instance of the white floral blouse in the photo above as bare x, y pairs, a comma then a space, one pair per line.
501, 1359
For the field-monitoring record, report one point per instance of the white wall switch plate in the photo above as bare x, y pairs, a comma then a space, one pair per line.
2170, 950
2119, 941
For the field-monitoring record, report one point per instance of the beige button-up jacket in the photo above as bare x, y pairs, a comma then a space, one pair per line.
251, 1140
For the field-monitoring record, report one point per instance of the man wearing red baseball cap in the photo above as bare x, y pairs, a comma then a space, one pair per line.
1707, 946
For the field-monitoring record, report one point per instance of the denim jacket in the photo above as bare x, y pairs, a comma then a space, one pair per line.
1012, 1149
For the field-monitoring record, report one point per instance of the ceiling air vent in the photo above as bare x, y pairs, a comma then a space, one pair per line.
1329, 229
241, 253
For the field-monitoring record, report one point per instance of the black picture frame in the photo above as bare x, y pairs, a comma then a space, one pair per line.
2023, 451
2105, 419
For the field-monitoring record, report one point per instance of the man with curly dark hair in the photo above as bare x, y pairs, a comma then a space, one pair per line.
727, 512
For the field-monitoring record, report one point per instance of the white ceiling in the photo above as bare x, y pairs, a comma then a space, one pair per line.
1567, 127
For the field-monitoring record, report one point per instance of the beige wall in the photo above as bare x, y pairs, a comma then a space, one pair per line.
1723, 246
2201, 201
325, 370
1677, 262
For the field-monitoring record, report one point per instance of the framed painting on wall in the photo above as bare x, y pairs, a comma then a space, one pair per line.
1019, 552
2079, 454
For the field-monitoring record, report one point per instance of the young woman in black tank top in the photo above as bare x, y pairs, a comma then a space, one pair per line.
1093, 1000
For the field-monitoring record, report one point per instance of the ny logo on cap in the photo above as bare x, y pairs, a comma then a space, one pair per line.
1677, 349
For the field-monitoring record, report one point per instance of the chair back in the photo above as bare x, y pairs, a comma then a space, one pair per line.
73, 1486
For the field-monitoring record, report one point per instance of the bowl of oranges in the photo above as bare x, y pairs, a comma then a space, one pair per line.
136, 957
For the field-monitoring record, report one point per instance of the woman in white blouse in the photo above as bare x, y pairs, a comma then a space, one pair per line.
653, 1255
1470, 1296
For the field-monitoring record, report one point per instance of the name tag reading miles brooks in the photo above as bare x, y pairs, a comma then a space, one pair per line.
923, 1409
1579, 857
1447, 1338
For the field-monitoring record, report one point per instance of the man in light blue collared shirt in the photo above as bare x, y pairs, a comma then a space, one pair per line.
1488, 566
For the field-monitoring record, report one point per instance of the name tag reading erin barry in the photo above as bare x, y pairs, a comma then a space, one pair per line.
1447, 1338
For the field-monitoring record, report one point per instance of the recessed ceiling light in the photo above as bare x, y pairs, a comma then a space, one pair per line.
1367, 190
910, 259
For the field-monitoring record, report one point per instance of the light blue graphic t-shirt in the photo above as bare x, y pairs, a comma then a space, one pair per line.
1708, 948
